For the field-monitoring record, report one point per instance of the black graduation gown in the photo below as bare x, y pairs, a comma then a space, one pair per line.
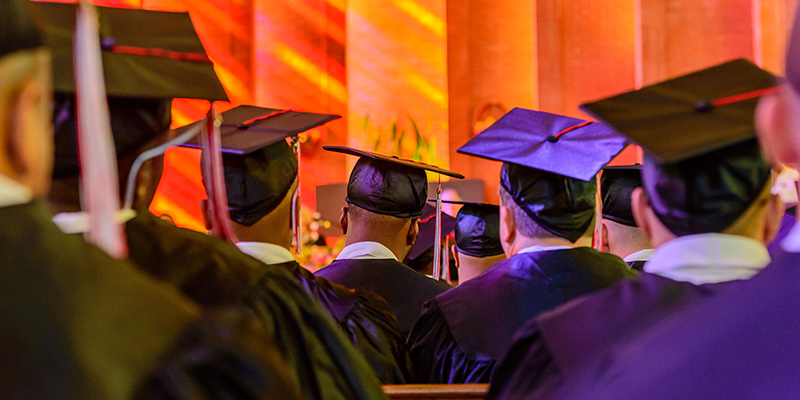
464, 332
365, 318
403, 288
742, 343
637, 265
557, 343
77, 324
214, 273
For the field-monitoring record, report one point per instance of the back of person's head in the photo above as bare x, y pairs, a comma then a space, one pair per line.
723, 191
620, 235
260, 187
25, 91
547, 205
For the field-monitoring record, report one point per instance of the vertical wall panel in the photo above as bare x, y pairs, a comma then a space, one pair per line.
490, 56
397, 78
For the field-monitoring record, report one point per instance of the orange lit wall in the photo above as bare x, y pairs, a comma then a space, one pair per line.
418, 78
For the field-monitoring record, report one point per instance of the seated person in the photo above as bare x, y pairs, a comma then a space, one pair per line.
547, 211
385, 198
76, 323
478, 244
708, 211
213, 273
620, 234
260, 186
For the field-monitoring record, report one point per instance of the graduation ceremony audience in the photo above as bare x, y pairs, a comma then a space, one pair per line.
589, 280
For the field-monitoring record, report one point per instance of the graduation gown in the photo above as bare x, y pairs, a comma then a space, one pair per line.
555, 344
739, 344
213, 272
464, 332
77, 324
365, 318
403, 288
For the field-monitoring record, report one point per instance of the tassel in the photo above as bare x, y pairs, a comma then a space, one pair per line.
215, 179
99, 185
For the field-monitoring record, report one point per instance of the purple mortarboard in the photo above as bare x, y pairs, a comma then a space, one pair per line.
17, 30
260, 166
549, 165
616, 186
704, 167
388, 185
427, 230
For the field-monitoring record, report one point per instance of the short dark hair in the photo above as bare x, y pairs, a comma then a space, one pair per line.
364, 217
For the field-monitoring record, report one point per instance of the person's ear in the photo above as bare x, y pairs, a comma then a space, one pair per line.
454, 252
206, 214
772, 219
604, 237
773, 121
508, 226
343, 220
413, 231
28, 146
640, 206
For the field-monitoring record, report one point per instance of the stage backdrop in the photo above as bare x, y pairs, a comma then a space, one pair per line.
418, 78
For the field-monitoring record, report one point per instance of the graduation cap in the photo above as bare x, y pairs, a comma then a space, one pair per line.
260, 166
393, 186
549, 165
426, 238
246, 129
704, 165
146, 54
148, 58
478, 229
388, 185
616, 186
18, 31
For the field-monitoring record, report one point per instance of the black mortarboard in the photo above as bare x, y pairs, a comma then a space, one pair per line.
690, 115
549, 165
260, 166
616, 186
17, 31
427, 230
704, 165
246, 129
144, 68
388, 185
146, 54
478, 230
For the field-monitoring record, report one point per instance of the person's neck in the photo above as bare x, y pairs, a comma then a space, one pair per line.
523, 242
395, 246
282, 238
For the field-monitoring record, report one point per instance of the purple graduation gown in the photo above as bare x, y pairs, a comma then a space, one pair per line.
465, 331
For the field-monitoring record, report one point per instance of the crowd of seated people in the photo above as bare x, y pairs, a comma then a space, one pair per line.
659, 286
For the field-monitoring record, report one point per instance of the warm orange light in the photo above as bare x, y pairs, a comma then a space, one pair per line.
310, 71
422, 15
